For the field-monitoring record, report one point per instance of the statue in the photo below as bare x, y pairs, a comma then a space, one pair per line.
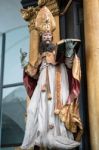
53, 119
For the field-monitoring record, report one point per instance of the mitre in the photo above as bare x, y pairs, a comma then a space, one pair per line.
45, 21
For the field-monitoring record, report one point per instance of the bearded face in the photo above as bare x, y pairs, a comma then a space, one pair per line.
46, 43
47, 37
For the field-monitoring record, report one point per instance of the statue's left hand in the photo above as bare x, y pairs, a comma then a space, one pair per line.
69, 62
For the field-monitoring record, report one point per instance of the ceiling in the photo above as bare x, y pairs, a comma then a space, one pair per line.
10, 16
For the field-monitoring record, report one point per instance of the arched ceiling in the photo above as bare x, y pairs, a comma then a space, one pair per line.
10, 16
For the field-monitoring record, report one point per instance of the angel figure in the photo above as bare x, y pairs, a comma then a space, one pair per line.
53, 119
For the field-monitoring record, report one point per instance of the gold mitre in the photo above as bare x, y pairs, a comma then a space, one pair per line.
45, 21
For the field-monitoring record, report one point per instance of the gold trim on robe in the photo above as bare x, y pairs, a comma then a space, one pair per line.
69, 113
76, 70
58, 102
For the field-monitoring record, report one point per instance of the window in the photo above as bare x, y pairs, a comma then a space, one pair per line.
15, 40
13, 93
13, 115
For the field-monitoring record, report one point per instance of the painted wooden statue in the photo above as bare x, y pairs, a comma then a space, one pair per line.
53, 85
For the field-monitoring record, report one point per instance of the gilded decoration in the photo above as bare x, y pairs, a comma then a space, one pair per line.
69, 114
30, 13
51, 4
58, 103
45, 21
76, 70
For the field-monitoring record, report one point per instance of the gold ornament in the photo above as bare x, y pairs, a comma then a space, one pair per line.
45, 21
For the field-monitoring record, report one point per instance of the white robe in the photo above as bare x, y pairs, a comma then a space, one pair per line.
40, 115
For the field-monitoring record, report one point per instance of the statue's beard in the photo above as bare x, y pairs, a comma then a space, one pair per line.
46, 47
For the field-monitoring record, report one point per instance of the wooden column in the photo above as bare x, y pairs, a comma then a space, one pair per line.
91, 25
29, 15
34, 46
56, 33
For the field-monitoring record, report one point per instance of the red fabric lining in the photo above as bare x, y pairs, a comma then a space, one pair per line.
29, 83
74, 87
